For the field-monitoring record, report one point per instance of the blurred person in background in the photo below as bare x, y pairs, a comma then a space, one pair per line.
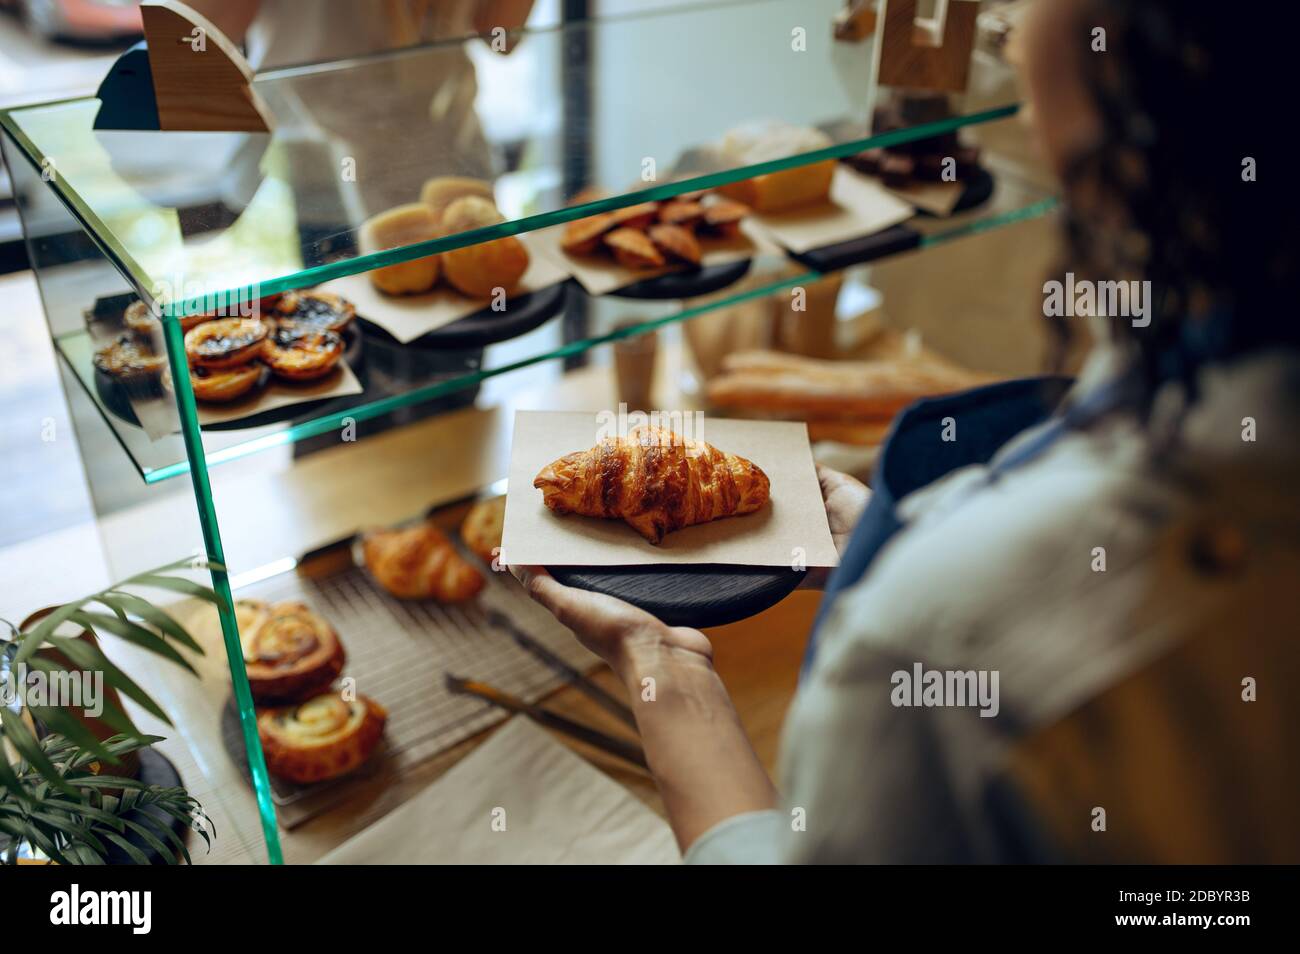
1123, 561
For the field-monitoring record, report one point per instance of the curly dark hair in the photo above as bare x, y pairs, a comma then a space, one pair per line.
1188, 92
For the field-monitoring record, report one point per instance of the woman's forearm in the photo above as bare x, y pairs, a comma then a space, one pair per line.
701, 758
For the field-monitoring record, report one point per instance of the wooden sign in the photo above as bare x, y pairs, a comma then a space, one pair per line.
201, 81
928, 52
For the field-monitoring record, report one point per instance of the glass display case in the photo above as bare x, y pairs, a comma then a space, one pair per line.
577, 121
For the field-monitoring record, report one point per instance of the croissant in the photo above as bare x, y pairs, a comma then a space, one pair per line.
420, 563
655, 480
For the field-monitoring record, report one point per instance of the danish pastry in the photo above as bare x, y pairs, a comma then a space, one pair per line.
323, 311
130, 361
420, 563
225, 342
302, 353
396, 228
478, 270
655, 480
290, 653
481, 529
322, 738
221, 385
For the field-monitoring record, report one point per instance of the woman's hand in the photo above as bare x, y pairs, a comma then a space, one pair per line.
845, 499
611, 628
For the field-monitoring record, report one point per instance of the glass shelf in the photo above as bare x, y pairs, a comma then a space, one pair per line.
400, 382
190, 218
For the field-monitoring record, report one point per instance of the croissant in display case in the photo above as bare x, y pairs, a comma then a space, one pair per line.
655, 480
420, 563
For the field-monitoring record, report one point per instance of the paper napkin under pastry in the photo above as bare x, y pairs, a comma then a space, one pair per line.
555, 808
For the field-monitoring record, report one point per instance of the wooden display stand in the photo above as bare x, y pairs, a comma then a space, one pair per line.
928, 53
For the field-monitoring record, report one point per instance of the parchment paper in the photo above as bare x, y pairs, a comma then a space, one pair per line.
556, 809
858, 206
407, 317
791, 527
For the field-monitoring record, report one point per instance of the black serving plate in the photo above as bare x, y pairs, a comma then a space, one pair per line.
693, 595
685, 284
523, 313
979, 189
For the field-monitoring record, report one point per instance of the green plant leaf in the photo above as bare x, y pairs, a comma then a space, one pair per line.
132, 633
21, 738
178, 585
135, 854
159, 618
92, 658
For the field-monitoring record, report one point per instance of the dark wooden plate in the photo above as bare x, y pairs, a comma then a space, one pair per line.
699, 596
685, 284
485, 327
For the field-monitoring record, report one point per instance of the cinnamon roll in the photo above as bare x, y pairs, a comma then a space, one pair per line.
290, 653
322, 738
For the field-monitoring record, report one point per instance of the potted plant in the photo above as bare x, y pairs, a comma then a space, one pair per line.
64, 791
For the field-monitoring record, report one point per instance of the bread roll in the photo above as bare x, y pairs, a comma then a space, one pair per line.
442, 191
479, 269
396, 228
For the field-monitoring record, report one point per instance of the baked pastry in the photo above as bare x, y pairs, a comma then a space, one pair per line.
722, 217
478, 270
810, 388
482, 527
632, 248
225, 342
420, 563
680, 212
582, 236
302, 353
676, 242
442, 191
322, 738
221, 385
397, 228
323, 311
140, 318
130, 361
655, 480
290, 653
784, 190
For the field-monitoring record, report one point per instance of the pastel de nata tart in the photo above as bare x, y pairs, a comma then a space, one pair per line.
302, 353
321, 738
442, 191
141, 319
221, 385
130, 361
478, 270
482, 527
420, 563
324, 311
397, 228
290, 653
226, 342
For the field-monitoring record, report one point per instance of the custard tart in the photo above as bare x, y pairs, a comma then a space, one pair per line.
130, 361
141, 319
290, 653
302, 353
324, 311
221, 385
225, 342
321, 738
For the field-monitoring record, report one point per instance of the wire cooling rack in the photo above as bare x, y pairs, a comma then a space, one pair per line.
398, 653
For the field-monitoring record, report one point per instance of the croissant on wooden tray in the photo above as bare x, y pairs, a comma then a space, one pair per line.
420, 563
655, 480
